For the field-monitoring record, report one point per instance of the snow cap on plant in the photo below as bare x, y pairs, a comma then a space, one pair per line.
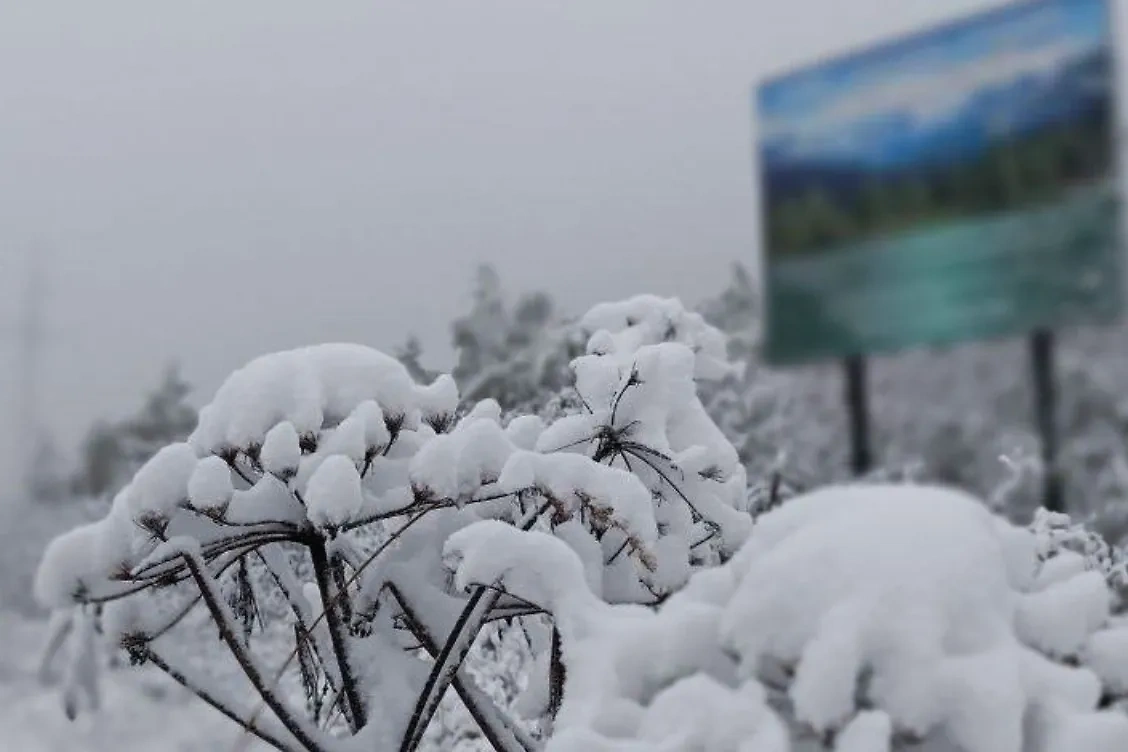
642, 413
839, 610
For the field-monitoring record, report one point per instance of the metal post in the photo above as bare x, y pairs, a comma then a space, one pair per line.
861, 456
1045, 411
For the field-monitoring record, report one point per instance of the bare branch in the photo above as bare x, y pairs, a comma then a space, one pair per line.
224, 619
226, 706
454, 651
375, 554
556, 676
504, 735
291, 590
416, 507
357, 713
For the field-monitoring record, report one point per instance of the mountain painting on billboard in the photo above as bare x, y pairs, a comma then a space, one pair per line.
956, 184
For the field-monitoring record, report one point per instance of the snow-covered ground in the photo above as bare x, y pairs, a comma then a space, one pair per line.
141, 711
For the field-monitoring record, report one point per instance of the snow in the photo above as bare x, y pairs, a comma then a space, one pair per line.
577, 483
647, 393
348, 439
435, 467
281, 450
1059, 619
646, 320
309, 387
439, 399
849, 613
141, 711
912, 587
569, 433
492, 551
162, 483
1063, 566
1106, 653
82, 559
869, 731
525, 431
333, 496
1092, 732
455, 465
210, 486
700, 713
65, 563
179, 546
371, 416
268, 499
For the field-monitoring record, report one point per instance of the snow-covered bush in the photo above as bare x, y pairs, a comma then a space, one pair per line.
858, 619
944, 415
330, 470
598, 580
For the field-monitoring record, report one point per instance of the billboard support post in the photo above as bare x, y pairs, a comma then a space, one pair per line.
943, 187
1045, 411
854, 375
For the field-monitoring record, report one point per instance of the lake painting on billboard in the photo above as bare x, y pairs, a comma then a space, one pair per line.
958, 184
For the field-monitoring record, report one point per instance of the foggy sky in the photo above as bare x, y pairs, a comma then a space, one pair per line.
214, 180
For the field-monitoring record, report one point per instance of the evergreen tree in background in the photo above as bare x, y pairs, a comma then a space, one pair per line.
479, 336
410, 354
108, 457
520, 356
46, 478
112, 452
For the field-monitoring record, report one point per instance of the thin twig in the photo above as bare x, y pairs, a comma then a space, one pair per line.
500, 731
697, 514
224, 621
357, 713
454, 651
208, 697
313, 625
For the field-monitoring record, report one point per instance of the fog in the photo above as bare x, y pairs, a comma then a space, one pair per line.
208, 181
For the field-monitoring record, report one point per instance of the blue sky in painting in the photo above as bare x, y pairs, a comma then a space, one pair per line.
847, 107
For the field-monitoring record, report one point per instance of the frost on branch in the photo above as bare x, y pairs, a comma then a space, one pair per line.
865, 617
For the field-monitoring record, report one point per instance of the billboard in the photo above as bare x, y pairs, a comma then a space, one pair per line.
957, 184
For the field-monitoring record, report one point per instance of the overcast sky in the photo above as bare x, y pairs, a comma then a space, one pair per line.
217, 179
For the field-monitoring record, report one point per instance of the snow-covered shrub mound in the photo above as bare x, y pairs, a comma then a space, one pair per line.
863, 617
641, 411
336, 478
308, 421
628, 325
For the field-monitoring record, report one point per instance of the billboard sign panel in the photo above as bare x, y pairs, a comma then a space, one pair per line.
957, 184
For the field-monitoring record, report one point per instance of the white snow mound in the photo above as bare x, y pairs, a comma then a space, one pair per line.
865, 610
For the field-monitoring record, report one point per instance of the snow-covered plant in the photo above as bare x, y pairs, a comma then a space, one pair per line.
858, 619
332, 472
951, 410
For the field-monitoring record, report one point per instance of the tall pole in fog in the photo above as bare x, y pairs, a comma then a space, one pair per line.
29, 428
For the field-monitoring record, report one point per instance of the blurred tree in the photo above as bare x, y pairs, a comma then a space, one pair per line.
479, 336
737, 311
101, 462
46, 478
410, 354
519, 358
112, 452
